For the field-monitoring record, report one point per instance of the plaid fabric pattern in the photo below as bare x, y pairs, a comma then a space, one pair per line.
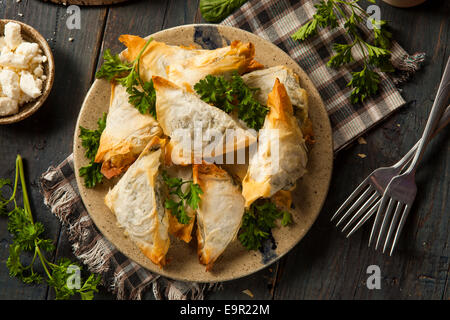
120, 275
277, 20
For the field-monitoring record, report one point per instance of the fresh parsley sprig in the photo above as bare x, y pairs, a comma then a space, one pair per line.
90, 140
375, 54
233, 94
190, 197
217, 10
28, 237
258, 221
142, 94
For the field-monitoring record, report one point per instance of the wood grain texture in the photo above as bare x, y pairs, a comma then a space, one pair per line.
324, 265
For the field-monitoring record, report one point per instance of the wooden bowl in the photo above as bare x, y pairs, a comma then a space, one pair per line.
31, 35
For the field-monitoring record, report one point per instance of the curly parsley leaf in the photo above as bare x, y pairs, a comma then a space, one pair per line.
190, 197
144, 100
375, 54
258, 221
63, 273
365, 84
90, 139
27, 237
92, 174
112, 67
142, 94
216, 91
233, 94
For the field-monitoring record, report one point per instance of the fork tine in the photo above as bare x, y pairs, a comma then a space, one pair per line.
363, 209
393, 224
400, 227
386, 218
377, 219
350, 198
365, 218
356, 204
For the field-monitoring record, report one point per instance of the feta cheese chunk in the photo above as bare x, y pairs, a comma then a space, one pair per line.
30, 86
38, 71
8, 106
9, 81
12, 60
12, 35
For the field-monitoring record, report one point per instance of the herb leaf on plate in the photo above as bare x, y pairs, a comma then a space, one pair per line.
258, 222
376, 54
142, 94
190, 197
90, 140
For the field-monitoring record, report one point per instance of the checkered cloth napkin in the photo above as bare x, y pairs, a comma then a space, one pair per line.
274, 20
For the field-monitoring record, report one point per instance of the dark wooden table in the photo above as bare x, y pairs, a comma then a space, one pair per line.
325, 265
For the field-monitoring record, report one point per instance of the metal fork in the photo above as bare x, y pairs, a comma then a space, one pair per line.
401, 190
370, 191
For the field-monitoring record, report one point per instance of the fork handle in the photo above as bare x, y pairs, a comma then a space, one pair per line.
445, 120
442, 99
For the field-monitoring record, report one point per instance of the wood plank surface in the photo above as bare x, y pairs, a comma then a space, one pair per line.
329, 266
325, 265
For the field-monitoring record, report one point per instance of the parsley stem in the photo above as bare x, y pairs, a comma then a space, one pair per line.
16, 179
43, 261
339, 9
138, 61
26, 201
27, 207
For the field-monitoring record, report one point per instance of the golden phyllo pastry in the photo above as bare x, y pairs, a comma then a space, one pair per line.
185, 66
281, 157
126, 134
196, 129
138, 199
219, 214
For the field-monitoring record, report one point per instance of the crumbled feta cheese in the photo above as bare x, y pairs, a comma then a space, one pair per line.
21, 70
12, 35
9, 81
38, 59
12, 60
24, 98
30, 86
8, 106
